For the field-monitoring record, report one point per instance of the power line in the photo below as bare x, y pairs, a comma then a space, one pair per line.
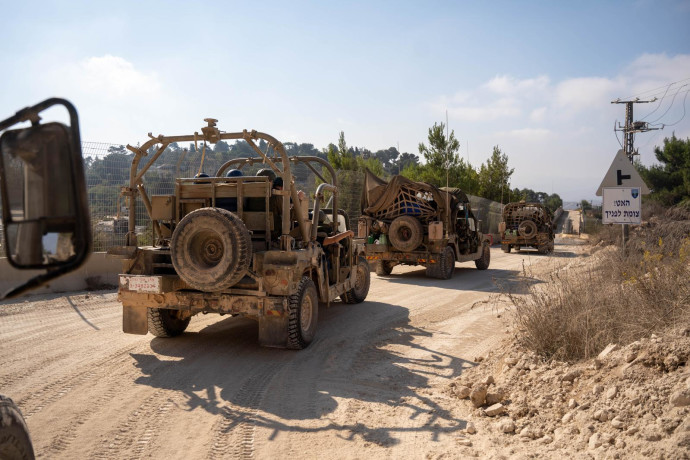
657, 94
660, 102
670, 105
655, 89
681, 118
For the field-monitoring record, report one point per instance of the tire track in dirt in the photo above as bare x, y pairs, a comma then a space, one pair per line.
53, 391
236, 427
122, 437
64, 440
13, 376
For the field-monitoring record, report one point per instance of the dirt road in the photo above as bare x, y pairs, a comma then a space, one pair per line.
370, 385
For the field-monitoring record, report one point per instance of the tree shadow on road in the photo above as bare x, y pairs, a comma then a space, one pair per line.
364, 355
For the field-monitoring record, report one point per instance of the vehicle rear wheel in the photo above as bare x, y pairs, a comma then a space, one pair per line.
405, 233
505, 248
527, 229
164, 322
15, 442
362, 281
211, 249
303, 315
445, 265
483, 262
384, 267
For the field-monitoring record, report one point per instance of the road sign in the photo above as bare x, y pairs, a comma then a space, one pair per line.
622, 173
621, 205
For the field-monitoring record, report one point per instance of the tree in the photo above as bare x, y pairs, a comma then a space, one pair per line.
442, 152
670, 181
494, 176
553, 202
443, 164
340, 157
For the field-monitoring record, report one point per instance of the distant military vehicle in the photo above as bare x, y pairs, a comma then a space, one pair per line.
527, 225
238, 244
414, 223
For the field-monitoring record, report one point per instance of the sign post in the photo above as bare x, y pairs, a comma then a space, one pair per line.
621, 205
622, 189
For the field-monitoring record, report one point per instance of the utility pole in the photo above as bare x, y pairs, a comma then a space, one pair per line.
631, 127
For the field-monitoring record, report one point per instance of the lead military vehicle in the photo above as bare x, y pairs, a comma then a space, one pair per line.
414, 223
237, 245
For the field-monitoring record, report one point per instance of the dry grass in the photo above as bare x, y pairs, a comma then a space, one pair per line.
622, 297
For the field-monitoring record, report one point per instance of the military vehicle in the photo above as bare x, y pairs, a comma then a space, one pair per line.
45, 220
527, 225
414, 223
238, 244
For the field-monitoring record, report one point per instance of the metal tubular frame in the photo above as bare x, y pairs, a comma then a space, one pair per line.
211, 134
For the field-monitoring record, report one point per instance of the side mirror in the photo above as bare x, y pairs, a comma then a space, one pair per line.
45, 214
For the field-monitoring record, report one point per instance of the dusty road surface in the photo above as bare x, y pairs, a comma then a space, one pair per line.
369, 386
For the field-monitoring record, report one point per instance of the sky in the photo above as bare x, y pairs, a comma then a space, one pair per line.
535, 78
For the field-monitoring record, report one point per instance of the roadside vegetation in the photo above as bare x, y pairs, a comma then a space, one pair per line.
619, 296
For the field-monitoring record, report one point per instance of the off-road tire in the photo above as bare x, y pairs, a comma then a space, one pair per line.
164, 322
362, 281
15, 442
211, 249
483, 262
527, 229
545, 248
405, 233
384, 267
505, 248
303, 315
444, 268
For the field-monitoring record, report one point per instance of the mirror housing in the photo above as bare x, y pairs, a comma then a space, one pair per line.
45, 212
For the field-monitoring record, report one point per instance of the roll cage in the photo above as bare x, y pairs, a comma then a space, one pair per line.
212, 135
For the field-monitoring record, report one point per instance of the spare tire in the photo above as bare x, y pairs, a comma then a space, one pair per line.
527, 229
211, 249
405, 233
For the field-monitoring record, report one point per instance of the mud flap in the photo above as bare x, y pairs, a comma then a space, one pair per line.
273, 331
134, 320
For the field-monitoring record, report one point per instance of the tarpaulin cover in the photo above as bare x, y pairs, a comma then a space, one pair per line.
402, 196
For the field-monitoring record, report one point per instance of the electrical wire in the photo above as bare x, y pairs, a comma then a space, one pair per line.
670, 105
660, 102
615, 133
655, 89
681, 118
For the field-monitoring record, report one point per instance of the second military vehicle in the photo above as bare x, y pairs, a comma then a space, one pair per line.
414, 223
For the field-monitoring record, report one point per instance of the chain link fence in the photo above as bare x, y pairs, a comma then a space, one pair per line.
107, 167
489, 212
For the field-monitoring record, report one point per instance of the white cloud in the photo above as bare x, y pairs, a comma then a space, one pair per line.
114, 77
501, 97
505, 84
505, 107
537, 115
530, 134
579, 94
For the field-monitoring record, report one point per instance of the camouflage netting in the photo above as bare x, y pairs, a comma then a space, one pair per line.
401, 196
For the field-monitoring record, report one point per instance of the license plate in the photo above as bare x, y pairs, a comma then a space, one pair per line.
141, 283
